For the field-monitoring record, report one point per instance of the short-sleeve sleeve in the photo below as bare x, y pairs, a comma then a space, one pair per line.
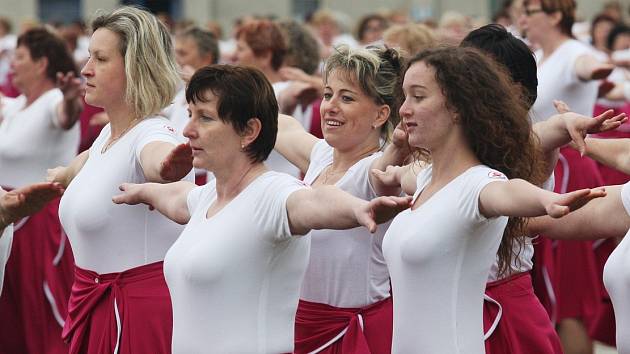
195, 196
156, 129
6, 239
473, 182
55, 97
271, 210
625, 196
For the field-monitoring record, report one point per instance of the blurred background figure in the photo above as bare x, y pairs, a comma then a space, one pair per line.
412, 38
370, 29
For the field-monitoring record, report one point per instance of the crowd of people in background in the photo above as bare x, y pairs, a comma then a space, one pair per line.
168, 187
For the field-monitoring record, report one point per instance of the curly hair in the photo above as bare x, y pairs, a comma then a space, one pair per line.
492, 111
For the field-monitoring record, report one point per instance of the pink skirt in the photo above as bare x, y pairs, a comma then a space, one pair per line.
128, 311
514, 321
38, 278
326, 329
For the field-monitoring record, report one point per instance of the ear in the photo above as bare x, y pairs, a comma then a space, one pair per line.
382, 116
556, 17
42, 65
251, 131
266, 57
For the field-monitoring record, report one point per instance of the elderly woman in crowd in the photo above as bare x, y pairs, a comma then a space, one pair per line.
37, 132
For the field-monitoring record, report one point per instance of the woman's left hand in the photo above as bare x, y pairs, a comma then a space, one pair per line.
562, 204
380, 210
177, 163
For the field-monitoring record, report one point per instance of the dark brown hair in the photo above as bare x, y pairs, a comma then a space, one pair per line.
263, 36
492, 111
566, 9
41, 43
243, 93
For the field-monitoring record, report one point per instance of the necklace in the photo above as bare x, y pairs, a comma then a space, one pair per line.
113, 140
329, 172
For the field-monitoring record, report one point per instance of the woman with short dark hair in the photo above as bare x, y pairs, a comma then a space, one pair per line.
235, 272
38, 131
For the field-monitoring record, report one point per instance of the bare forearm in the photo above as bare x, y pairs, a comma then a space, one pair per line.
169, 199
392, 156
324, 207
69, 112
614, 153
600, 218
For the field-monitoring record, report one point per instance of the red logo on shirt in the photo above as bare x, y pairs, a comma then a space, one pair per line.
170, 129
496, 174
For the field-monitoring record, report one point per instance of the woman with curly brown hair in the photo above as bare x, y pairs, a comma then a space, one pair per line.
466, 113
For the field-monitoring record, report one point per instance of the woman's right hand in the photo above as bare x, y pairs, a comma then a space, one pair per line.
131, 195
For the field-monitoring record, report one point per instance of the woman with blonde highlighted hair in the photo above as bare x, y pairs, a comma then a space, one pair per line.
345, 297
120, 301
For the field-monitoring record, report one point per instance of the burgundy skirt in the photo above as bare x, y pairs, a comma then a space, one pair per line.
514, 321
127, 312
38, 278
322, 328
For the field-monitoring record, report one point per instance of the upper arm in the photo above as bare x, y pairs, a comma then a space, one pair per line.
76, 165
298, 207
294, 143
151, 157
491, 198
177, 205
601, 218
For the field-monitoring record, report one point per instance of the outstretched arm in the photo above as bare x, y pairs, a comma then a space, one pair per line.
587, 67
294, 143
520, 198
64, 175
395, 154
169, 199
601, 218
25, 201
328, 207
70, 108
614, 153
568, 126
164, 162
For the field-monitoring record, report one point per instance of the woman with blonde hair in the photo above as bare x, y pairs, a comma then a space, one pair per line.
411, 37
345, 302
119, 300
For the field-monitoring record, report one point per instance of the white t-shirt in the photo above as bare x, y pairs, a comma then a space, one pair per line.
31, 140
6, 238
107, 237
346, 267
439, 256
234, 278
275, 161
524, 261
177, 112
558, 80
617, 281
